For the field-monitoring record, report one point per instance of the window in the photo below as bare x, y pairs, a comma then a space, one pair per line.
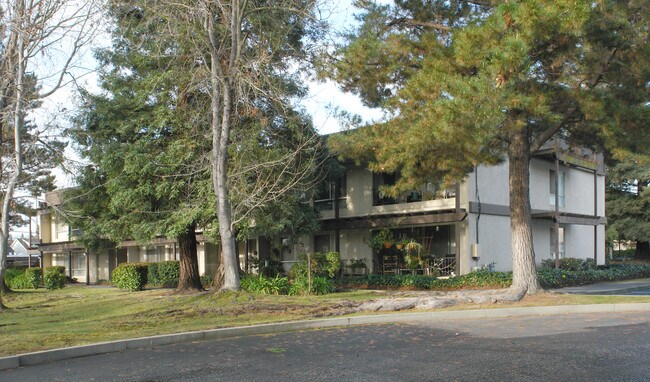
322, 243
560, 190
561, 236
326, 193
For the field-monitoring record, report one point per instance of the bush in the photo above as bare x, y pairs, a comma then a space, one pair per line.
169, 273
560, 278
130, 276
570, 264
265, 285
322, 264
11, 274
480, 279
152, 274
55, 277
319, 285
34, 277
206, 281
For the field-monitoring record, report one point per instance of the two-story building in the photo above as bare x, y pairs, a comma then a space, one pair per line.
459, 228
468, 226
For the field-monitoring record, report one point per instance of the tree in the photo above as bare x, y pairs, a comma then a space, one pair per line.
248, 50
471, 82
30, 31
145, 137
147, 134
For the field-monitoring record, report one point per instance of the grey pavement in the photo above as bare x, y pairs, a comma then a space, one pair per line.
567, 347
609, 288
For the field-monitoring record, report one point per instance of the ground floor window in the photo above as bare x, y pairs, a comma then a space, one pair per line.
561, 239
323, 243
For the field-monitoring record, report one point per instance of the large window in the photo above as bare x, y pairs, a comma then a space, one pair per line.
560, 180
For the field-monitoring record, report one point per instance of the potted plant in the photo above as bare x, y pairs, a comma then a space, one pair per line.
413, 255
383, 239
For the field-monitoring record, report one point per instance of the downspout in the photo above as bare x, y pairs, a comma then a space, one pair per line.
337, 231
457, 232
596, 216
87, 268
557, 211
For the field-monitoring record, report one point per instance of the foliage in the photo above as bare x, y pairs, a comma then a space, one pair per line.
130, 276
379, 239
34, 277
165, 273
322, 264
549, 278
469, 83
319, 286
270, 267
570, 264
356, 263
265, 285
206, 281
54, 277
559, 278
29, 278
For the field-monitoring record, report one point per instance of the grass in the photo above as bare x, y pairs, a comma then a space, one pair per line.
76, 315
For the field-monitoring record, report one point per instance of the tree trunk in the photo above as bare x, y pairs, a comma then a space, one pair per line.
642, 250
189, 278
524, 274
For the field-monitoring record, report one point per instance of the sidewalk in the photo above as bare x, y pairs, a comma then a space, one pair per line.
608, 288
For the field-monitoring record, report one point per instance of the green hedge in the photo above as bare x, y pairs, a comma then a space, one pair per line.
54, 277
165, 273
480, 279
34, 277
560, 278
130, 276
548, 278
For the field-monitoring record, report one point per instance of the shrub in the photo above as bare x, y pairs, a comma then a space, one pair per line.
560, 278
169, 273
130, 276
570, 264
54, 277
268, 267
265, 285
321, 264
480, 279
206, 281
152, 274
34, 277
319, 285
11, 274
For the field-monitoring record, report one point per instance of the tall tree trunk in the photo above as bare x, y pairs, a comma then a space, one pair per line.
17, 165
642, 250
189, 278
223, 80
524, 274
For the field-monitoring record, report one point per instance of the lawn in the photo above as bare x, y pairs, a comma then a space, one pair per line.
41, 319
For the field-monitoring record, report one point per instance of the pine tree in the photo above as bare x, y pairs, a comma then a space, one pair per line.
473, 82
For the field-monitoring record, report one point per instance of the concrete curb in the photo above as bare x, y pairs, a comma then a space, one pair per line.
603, 291
46, 356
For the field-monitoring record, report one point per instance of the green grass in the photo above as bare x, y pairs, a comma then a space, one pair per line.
76, 315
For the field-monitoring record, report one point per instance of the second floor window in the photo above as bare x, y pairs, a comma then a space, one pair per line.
326, 193
560, 188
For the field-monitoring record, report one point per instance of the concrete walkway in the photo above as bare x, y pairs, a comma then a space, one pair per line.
608, 288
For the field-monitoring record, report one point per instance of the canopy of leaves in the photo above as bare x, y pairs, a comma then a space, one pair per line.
459, 78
